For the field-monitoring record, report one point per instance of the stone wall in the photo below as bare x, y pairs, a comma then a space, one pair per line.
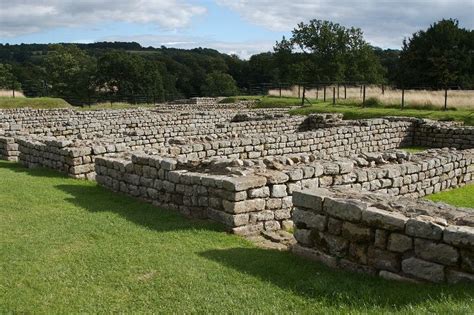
372, 136
241, 203
265, 201
8, 149
434, 134
401, 239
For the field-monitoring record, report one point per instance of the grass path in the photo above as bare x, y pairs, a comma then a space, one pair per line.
69, 246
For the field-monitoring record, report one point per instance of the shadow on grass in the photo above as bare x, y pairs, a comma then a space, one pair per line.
36, 172
314, 280
98, 199
95, 198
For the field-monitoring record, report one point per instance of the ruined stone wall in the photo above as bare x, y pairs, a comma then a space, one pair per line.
375, 135
8, 149
364, 234
434, 134
265, 201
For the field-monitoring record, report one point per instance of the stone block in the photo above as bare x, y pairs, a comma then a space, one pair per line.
392, 221
459, 236
436, 252
243, 182
399, 243
423, 227
345, 209
423, 269
249, 205
355, 232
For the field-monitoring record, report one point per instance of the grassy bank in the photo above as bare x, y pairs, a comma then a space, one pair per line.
69, 246
459, 197
353, 110
34, 102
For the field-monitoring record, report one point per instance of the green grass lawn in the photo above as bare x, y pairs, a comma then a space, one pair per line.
34, 102
460, 197
69, 246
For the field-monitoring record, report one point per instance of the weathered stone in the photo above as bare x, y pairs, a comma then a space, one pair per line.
459, 235
423, 227
399, 243
453, 276
382, 259
303, 236
350, 210
393, 276
384, 219
309, 219
355, 232
436, 252
261, 192
310, 199
248, 205
274, 177
278, 191
423, 269
243, 183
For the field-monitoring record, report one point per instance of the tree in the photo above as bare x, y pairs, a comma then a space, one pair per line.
439, 57
333, 53
219, 84
130, 77
70, 73
7, 79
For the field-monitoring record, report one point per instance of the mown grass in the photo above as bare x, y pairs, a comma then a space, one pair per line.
34, 102
70, 246
459, 197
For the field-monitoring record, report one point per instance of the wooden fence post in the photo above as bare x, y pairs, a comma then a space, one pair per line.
345, 92
324, 94
363, 96
403, 97
304, 92
445, 98
333, 95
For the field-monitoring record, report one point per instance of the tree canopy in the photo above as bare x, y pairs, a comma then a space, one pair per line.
329, 52
443, 55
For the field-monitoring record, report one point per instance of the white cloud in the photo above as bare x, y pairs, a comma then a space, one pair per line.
242, 49
385, 22
29, 16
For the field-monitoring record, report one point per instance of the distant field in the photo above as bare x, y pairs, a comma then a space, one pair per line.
9, 93
460, 99
354, 110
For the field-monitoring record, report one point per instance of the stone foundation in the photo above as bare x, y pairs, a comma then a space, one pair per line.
401, 239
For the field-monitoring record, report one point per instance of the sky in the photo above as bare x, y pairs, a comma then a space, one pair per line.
242, 27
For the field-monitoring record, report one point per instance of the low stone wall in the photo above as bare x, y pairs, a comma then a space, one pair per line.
374, 136
265, 202
9, 149
433, 134
63, 155
230, 200
399, 239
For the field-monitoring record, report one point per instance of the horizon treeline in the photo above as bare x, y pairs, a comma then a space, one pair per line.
317, 52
